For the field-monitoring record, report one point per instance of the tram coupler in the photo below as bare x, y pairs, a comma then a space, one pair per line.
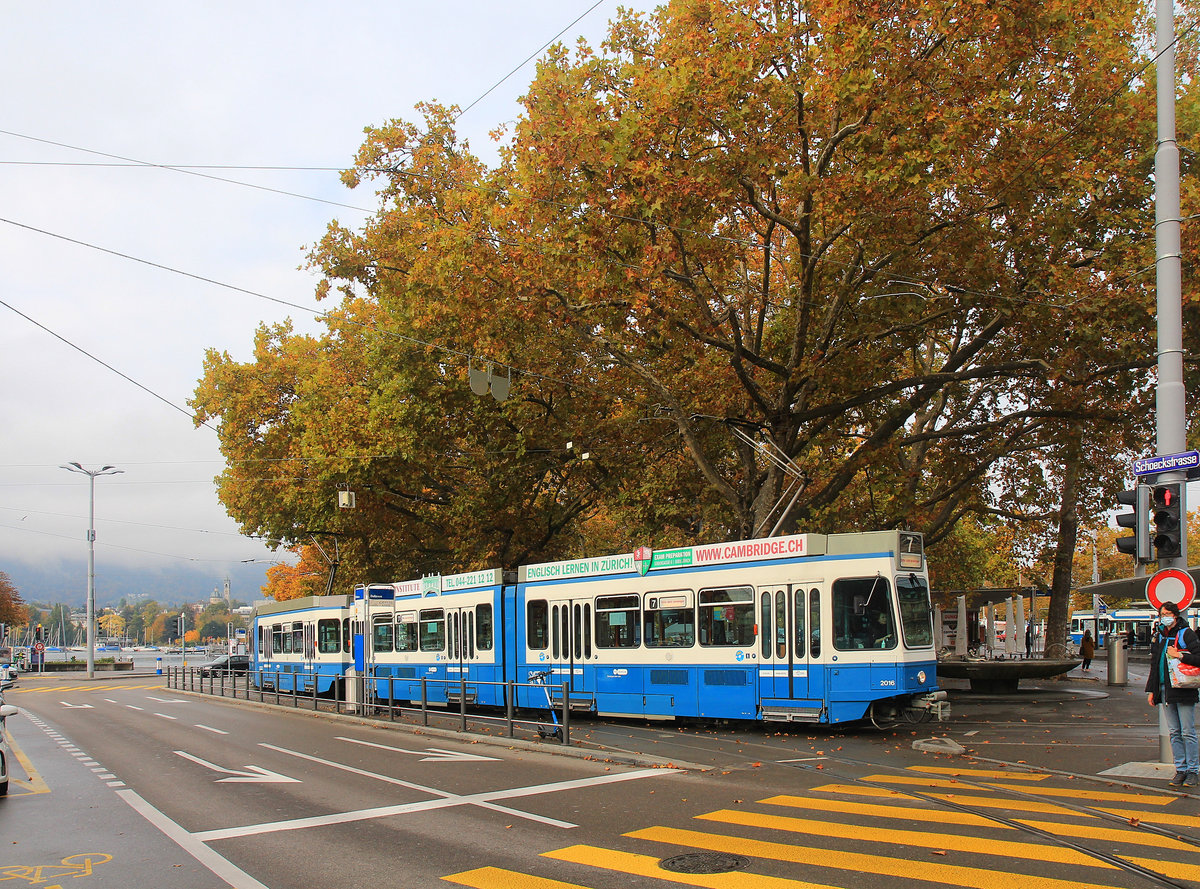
934, 703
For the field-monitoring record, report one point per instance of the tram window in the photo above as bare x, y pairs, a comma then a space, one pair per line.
781, 650
798, 610
916, 613
727, 616
565, 616
483, 627
297, 637
278, 638
329, 639
669, 620
862, 614
814, 623
578, 631
554, 633
346, 634
764, 625
537, 624
617, 622
587, 630
381, 633
469, 639
406, 631
433, 630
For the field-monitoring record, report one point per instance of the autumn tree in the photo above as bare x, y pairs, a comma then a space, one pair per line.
778, 267
12, 606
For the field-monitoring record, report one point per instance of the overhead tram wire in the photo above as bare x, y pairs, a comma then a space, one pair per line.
105, 364
192, 169
528, 59
325, 316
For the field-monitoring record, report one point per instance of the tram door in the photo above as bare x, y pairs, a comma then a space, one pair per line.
460, 644
788, 620
570, 643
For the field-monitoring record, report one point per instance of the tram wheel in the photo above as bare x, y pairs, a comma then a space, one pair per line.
883, 718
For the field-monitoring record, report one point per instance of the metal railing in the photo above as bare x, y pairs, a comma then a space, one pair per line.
265, 686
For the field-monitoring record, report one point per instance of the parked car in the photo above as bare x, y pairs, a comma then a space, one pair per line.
6, 710
227, 664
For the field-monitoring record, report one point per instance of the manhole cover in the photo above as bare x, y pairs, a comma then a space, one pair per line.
704, 863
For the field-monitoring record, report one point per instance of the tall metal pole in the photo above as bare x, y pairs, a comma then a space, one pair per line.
1168, 264
1169, 397
91, 536
91, 586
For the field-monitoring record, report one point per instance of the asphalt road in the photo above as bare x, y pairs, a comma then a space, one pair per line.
123, 782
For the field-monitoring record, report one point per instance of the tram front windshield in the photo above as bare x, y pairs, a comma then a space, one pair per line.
916, 613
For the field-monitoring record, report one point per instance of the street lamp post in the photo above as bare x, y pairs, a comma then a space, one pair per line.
91, 585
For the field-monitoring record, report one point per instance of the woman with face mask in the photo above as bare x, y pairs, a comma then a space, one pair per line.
1175, 640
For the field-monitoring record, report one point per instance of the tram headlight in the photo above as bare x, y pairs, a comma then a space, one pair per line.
921, 677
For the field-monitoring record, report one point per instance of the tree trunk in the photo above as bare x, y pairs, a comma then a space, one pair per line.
1068, 531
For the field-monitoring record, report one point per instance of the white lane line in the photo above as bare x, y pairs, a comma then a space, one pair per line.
475, 799
209, 728
165, 716
432, 791
111, 701
131, 707
218, 864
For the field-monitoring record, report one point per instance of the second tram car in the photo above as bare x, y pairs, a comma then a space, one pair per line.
1138, 620
807, 628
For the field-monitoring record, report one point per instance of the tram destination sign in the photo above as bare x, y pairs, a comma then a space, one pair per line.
1188, 461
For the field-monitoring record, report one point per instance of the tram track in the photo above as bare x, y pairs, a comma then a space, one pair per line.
992, 789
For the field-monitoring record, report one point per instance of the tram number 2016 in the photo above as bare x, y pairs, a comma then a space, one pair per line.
887, 683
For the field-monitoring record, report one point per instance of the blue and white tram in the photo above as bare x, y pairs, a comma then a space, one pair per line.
436, 628
1140, 620
807, 628
299, 644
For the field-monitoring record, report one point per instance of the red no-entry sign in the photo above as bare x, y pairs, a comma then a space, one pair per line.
1171, 585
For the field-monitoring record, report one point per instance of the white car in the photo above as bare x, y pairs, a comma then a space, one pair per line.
6, 710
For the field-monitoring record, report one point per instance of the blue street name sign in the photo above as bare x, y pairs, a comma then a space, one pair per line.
1166, 463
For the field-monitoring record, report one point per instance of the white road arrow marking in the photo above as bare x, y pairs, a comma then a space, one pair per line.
252, 775
76, 706
429, 754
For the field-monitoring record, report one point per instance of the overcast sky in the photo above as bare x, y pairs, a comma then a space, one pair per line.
246, 83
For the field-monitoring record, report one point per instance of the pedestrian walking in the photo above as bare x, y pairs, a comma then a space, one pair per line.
1029, 640
1175, 640
1087, 649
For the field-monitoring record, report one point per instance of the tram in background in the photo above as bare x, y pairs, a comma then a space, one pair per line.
1139, 619
805, 628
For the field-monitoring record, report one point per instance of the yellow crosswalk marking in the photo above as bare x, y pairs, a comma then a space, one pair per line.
951, 874
1172, 869
1173, 819
647, 866
498, 878
978, 773
978, 802
1108, 834
1071, 792
908, 813
919, 839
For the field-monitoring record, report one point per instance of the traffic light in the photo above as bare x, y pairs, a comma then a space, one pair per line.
1138, 521
1168, 520
172, 627
39, 634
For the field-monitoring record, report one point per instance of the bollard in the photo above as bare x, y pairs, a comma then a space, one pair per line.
1118, 672
158, 669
